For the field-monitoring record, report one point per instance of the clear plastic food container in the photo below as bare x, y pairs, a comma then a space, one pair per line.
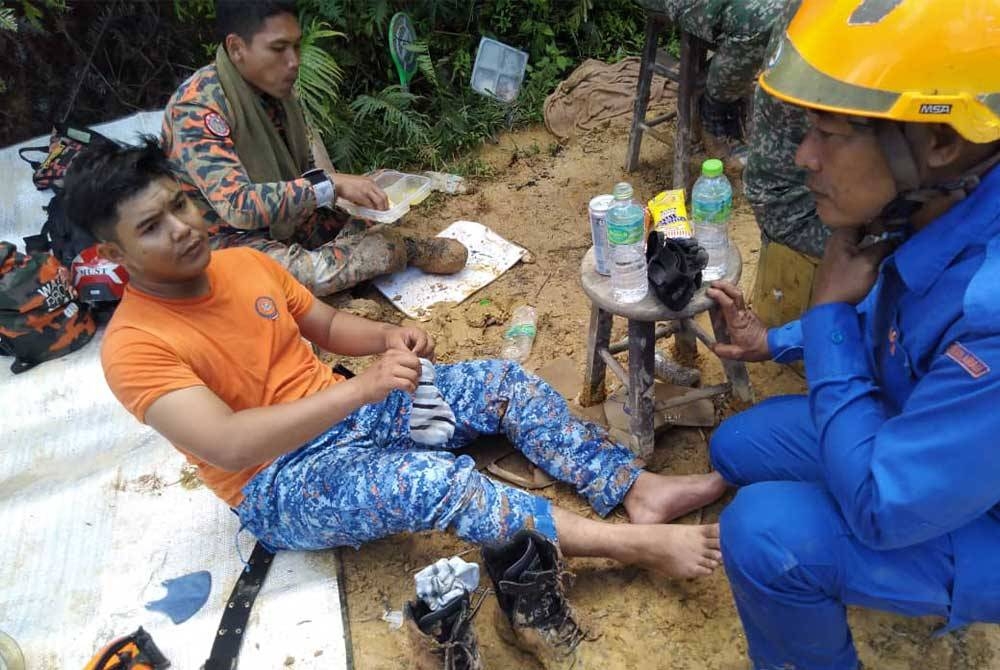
499, 70
403, 191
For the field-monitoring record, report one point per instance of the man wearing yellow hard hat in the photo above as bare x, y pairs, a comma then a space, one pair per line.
881, 487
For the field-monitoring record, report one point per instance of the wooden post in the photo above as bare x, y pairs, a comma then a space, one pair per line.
598, 338
653, 24
641, 392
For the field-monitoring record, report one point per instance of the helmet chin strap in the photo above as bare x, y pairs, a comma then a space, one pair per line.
896, 140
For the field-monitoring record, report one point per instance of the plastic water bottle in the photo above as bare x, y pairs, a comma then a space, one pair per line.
445, 182
671, 371
520, 334
711, 207
627, 245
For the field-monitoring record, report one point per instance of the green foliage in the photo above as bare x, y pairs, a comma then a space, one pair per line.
194, 10
350, 88
7, 19
34, 11
319, 75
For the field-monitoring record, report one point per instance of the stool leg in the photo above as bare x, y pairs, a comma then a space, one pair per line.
736, 371
685, 104
598, 338
685, 344
641, 343
642, 92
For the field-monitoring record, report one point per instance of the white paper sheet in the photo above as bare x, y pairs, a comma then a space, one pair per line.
415, 293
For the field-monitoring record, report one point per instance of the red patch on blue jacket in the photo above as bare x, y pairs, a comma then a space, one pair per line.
971, 363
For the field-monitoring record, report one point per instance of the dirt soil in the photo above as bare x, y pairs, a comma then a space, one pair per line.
537, 197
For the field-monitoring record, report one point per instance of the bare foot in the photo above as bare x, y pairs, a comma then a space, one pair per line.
657, 498
675, 550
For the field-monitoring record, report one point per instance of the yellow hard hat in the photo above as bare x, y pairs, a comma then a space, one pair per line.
923, 61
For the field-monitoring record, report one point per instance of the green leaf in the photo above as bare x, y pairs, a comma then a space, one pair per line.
7, 20
320, 76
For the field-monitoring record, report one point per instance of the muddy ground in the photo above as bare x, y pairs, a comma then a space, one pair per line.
536, 195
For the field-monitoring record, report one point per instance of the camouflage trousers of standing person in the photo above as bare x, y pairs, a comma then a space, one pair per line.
331, 259
774, 185
739, 32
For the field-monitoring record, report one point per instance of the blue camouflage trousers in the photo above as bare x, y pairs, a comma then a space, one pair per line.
364, 478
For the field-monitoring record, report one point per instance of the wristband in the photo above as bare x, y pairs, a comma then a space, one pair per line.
323, 187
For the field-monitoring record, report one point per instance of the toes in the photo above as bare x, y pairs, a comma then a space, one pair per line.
711, 530
709, 564
713, 555
700, 571
713, 543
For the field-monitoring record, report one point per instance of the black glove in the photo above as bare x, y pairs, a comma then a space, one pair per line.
674, 267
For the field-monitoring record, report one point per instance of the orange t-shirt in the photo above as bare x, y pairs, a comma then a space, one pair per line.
241, 341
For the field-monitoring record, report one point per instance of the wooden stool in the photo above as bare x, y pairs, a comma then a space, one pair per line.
687, 74
641, 342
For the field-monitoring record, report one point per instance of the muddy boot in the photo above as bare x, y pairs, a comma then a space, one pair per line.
722, 131
436, 255
534, 615
442, 639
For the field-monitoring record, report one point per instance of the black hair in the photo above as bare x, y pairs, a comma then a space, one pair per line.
245, 17
104, 175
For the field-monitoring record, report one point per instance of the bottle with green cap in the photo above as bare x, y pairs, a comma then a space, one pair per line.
711, 208
627, 247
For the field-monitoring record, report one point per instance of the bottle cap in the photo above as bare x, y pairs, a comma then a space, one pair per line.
623, 191
712, 167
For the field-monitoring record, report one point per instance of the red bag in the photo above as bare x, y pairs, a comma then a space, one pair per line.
64, 144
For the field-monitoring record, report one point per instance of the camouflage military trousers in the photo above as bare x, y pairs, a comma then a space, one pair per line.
365, 478
340, 260
738, 30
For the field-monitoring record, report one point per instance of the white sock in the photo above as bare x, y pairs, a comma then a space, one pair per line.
431, 420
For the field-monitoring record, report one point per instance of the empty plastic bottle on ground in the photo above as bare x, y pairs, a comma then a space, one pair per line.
627, 245
711, 207
444, 182
520, 334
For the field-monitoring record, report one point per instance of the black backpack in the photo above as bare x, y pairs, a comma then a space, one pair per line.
65, 143
64, 239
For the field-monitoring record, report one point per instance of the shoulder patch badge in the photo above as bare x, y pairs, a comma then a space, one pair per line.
968, 360
266, 308
217, 125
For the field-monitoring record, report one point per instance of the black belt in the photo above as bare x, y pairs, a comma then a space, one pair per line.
229, 638
226, 648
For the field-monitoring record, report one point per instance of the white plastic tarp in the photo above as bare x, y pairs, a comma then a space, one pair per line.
95, 514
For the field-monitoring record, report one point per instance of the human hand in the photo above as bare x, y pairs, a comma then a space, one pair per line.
848, 272
395, 369
747, 333
410, 338
362, 191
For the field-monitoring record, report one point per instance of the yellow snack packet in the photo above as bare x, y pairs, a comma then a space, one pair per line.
669, 214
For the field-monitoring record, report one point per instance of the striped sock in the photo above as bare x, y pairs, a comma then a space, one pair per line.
431, 419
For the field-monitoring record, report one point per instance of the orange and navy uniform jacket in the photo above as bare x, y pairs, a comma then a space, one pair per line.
197, 137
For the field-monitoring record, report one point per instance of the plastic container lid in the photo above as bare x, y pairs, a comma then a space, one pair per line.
403, 190
499, 70
712, 167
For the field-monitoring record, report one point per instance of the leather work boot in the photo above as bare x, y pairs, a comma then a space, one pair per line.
534, 615
436, 255
442, 639
722, 131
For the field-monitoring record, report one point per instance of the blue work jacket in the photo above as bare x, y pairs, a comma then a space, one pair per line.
904, 390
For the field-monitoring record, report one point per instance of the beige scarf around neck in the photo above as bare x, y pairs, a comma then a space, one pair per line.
264, 154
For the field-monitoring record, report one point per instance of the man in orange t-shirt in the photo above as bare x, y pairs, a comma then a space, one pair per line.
207, 348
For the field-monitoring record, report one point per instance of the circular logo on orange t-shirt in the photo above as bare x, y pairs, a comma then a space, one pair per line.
266, 308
